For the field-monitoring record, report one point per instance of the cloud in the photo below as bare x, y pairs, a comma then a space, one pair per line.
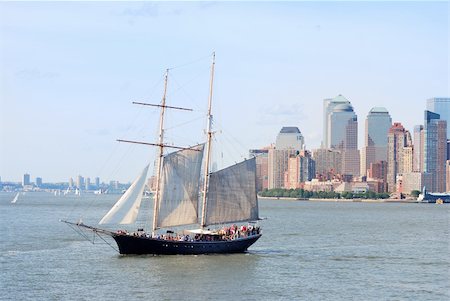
145, 10
36, 74
278, 109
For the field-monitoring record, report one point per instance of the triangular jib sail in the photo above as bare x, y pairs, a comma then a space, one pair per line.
232, 194
180, 179
126, 209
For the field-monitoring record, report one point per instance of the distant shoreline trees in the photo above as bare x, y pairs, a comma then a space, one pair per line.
305, 194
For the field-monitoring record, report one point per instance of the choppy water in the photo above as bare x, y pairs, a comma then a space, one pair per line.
309, 251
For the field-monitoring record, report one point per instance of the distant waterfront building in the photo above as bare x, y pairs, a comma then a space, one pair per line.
301, 168
80, 182
435, 150
70, 182
418, 148
97, 182
441, 106
328, 106
26, 180
328, 163
378, 122
343, 136
262, 172
38, 182
413, 181
88, 183
290, 137
397, 141
377, 172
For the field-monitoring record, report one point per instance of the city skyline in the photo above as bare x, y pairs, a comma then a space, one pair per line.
66, 86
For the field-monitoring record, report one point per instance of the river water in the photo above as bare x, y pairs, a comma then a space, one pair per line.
309, 251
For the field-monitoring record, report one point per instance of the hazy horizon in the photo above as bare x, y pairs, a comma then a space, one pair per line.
70, 70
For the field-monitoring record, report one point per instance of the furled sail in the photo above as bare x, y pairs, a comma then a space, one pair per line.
232, 194
126, 209
180, 183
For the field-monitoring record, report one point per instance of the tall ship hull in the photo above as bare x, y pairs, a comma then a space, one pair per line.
134, 245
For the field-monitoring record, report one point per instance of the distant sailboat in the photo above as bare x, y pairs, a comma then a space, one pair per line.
229, 196
15, 198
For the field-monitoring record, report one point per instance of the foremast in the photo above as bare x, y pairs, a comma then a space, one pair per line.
209, 134
160, 155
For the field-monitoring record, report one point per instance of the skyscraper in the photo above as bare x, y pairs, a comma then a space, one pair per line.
38, 182
328, 106
378, 122
435, 150
343, 136
26, 180
441, 106
290, 137
398, 139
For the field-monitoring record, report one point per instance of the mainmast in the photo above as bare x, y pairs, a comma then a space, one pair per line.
209, 134
161, 153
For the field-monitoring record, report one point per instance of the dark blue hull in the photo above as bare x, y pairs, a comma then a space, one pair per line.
129, 244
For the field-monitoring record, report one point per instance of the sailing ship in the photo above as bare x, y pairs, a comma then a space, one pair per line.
227, 197
15, 198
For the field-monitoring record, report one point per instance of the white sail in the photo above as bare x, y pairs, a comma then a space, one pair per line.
15, 198
231, 195
126, 209
180, 187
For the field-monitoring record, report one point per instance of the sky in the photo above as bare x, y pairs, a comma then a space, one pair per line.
70, 70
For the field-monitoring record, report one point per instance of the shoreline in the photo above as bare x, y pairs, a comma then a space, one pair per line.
340, 200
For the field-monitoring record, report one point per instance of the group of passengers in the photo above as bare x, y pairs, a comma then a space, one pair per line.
226, 233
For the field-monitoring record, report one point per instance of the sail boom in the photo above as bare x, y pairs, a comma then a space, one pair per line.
156, 144
160, 106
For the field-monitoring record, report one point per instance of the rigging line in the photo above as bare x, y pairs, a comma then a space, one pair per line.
184, 123
106, 242
191, 62
232, 137
182, 87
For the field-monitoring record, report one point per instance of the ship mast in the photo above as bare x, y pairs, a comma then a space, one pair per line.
209, 134
161, 153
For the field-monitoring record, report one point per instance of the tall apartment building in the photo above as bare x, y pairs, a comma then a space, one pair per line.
301, 168
378, 122
328, 163
277, 166
262, 172
398, 139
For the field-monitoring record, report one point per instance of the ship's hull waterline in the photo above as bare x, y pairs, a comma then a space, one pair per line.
136, 245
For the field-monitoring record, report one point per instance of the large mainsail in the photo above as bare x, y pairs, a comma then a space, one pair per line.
180, 181
232, 194
126, 209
